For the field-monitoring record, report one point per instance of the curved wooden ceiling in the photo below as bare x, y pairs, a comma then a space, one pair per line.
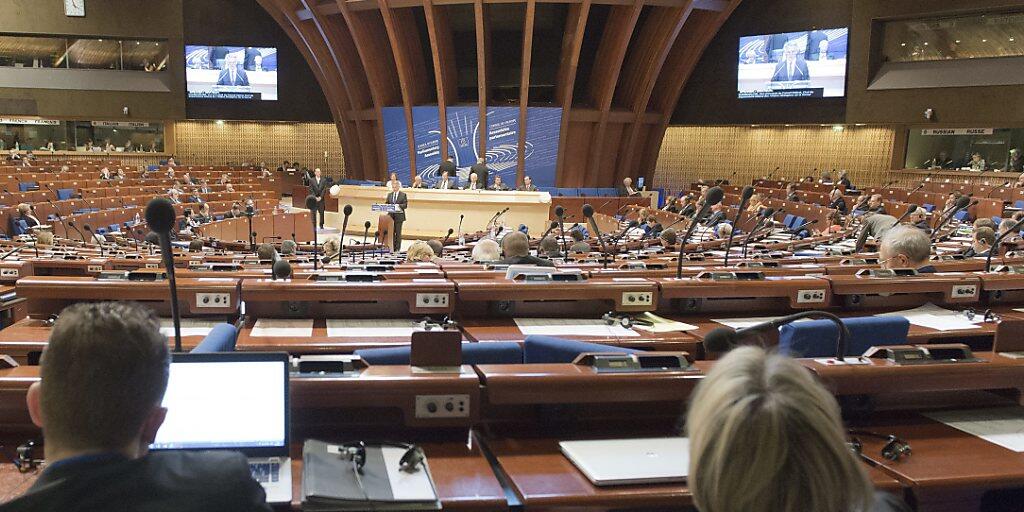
617, 67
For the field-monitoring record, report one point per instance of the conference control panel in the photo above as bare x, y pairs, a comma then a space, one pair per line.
965, 291
810, 296
637, 299
442, 406
9, 272
213, 300
432, 300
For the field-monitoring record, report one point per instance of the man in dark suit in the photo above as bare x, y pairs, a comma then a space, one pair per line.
448, 167
527, 185
318, 186
497, 185
97, 436
792, 66
480, 168
232, 74
445, 182
396, 196
516, 248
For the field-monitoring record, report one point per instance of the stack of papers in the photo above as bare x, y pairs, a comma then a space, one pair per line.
938, 318
571, 327
659, 324
384, 328
1003, 426
189, 326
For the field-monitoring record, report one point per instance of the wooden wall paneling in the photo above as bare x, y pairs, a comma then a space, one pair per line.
611, 53
524, 88
641, 73
482, 60
572, 43
400, 47
382, 87
442, 51
336, 78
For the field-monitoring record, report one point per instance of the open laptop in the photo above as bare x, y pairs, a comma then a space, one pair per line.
232, 401
630, 461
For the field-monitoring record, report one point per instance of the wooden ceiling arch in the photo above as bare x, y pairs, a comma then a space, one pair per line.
370, 54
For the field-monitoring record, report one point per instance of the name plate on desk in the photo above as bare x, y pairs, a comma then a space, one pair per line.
639, 362
384, 207
886, 273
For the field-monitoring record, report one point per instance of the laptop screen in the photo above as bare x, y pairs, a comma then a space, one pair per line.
226, 401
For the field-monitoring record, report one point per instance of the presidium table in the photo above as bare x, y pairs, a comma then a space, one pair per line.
431, 212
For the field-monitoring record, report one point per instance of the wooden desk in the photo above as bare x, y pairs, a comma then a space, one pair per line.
505, 329
50, 294
432, 212
318, 343
26, 339
522, 298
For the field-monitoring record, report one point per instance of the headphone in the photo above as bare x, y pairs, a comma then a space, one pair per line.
625, 321
411, 461
446, 323
50, 320
894, 448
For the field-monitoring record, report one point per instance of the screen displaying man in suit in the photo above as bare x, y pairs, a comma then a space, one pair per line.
528, 185
792, 66
396, 196
318, 186
232, 74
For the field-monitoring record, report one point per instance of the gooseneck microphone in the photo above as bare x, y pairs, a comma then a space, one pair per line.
160, 218
551, 227
366, 231
73, 226
311, 206
344, 226
713, 196
910, 210
961, 204
560, 215
723, 339
446, 237
461, 216
796, 231
995, 246
748, 192
765, 215
588, 212
92, 236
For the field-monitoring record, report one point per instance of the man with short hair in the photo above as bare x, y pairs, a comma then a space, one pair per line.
905, 247
486, 250
481, 170
445, 182
527, 185
516, 247
318, 187
102, 379
579, 245
548, 246
288, 248
474, 183
669, 237
497, 185
981, 245
436, 246
875, 204
397, 197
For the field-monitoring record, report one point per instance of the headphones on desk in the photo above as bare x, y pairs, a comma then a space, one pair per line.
411, 461
27, 459
625, 321
446, 323
894, 448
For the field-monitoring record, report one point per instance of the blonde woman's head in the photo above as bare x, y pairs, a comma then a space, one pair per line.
419, 251
332, 246
24, 209
766, 436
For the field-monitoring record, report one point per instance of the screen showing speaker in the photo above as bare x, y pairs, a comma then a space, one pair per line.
231, 72
806, 64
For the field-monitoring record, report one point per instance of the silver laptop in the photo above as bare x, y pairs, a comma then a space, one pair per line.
232, 401
630, 461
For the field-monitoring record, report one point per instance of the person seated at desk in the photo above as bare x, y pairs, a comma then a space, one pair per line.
445, 182
105, 174
904, 247
267, 252
26, 213
837, 201
940, 161
229, 188
765, 435
579, 245
755, 204
195, 246
844, 180
527, 185
669, 237
627, 190
194, 197
187, 222
235, 212
791, 194
497, 185
722, 231
548, 248
171, 162
186, 178
332, 246
204, 187
174, 196
1014, 163
671, 205
826, 178
718, 214
652, 228
516, 248
284, 166
919, 219
419, 251
1005, 226
417, 182
44, 238
981, 243
977, 163
203, 216
97, 435
984, 222
485, 251
120, 176
875, 204
473, 183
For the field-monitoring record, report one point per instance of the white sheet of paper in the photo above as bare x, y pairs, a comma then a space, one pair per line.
189, 327
1003, 426
571, 327
282, 328
740, 323
935, 317
668, 327
385, 327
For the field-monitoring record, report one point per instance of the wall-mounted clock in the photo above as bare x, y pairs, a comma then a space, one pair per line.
74, 7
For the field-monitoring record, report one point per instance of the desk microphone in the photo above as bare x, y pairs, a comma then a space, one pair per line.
724, 339
713, 196
748, 192
344, 226
12, 251
92, 236
446, 237
995, 246
560, 215
796, 231
910, 210
160, 218
588, 212
73, 226
461, 216
961, 204
765, 215
993, 189
311, 206
552, 226
366, 231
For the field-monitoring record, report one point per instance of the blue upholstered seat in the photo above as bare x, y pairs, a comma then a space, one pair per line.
220, 339
931, 207
64, 194
499, 352
549, 349
25, 186
817, 338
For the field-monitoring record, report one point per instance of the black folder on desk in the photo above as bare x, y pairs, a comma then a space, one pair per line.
330, 481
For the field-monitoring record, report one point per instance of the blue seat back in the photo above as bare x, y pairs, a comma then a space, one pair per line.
997, 220
928, 207
798, 221
20, 227
220, 339
114, 228
498, 352
590, 192
549, 349
64, 194
961, 215
788, 220
817, 338
25, 186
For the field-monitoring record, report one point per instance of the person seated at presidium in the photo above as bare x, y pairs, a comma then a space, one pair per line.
445, 182
527, 185
497, 185
516, 248
474, 183
417, 182
760, 422
97, 436
627, 189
